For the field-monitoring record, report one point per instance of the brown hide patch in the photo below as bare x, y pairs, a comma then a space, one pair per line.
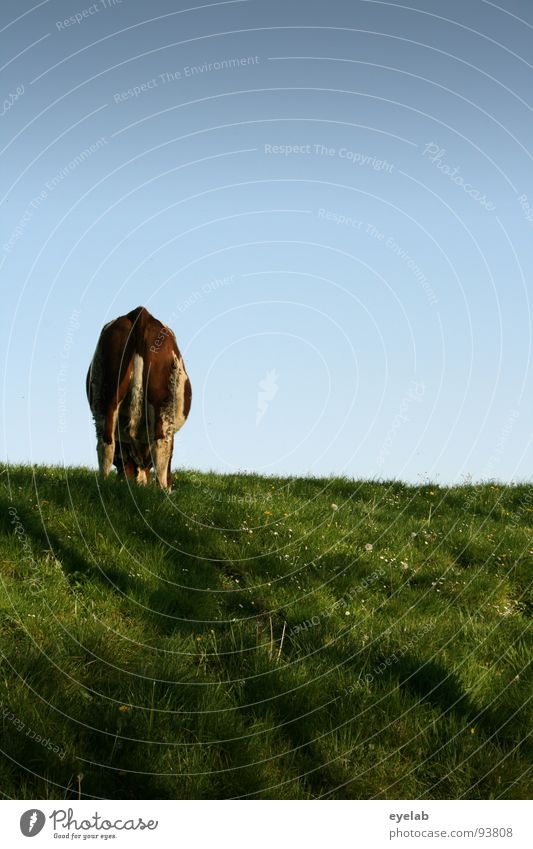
187, 397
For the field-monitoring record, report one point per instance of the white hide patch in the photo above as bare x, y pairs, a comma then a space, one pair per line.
136, 393
172, 412
180, 396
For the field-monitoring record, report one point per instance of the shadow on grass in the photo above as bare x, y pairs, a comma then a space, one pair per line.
429, 681
77, 568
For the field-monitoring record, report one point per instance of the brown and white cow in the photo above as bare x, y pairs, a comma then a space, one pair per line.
140, 396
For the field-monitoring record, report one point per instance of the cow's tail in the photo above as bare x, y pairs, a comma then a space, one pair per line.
138, 318
136, 395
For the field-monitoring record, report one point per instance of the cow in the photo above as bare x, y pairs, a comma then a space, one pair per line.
140, 396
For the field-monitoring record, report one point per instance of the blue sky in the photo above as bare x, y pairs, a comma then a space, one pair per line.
331, 204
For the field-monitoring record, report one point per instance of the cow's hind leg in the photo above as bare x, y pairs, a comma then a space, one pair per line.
106, 452
169, 474
162, 457
106, 442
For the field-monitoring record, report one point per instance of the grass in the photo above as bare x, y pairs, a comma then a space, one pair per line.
263, 638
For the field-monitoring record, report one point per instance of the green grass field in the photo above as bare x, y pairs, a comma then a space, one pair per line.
263, 638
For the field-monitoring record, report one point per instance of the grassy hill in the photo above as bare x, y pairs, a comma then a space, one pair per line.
263, 637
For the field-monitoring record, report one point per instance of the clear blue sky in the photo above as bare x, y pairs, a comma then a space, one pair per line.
330, 203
